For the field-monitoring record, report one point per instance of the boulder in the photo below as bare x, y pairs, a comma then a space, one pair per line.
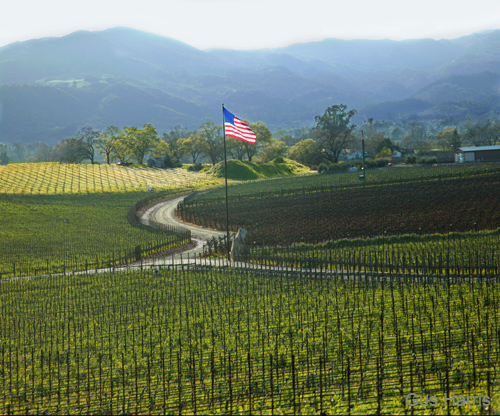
239, 249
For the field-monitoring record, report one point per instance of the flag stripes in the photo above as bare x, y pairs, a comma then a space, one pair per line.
238, 128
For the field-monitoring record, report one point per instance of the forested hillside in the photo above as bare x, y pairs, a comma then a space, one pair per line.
51, 87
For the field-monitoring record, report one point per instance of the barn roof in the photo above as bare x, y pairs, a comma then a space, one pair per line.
477, 149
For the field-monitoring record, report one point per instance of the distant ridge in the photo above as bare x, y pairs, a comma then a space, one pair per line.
51, 87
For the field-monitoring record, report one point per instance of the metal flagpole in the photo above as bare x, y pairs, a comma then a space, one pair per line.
225, 177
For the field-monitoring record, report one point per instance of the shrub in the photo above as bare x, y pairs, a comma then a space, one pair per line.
195, 168
411, 160
377, 163
322, 168
427, 160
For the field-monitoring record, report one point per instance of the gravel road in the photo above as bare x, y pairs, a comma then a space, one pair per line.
163, 213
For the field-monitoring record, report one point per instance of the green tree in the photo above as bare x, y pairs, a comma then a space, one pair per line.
273, 149
213, 141
121, 149
69, 151
88, 141
42, 152
193, 146
264, 137
236, 148
333, 131
143, 141
306, 152
4, 159
106, 142
172, 138
384, 153
397, 134
376, 143
19, 151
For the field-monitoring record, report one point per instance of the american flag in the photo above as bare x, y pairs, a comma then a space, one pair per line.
238, 128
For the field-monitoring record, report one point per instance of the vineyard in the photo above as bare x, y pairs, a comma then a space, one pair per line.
268, 341
56, 179
437, 206
353, 296
59, 233
375, 177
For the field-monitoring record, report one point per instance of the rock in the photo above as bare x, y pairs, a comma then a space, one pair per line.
240, 249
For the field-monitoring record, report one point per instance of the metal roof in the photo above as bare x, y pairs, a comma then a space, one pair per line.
478, 148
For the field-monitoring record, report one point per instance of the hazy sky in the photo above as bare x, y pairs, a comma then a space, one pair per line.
247, 24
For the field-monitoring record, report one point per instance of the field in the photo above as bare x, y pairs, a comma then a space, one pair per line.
353, 296
59, 217
269, 341
57, 179
58, 233
313, 216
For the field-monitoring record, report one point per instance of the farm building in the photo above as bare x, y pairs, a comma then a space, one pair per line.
477, 154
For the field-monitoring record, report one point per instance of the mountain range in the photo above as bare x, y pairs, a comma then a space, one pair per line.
51, 87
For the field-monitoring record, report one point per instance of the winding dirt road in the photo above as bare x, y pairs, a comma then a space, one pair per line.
163, 213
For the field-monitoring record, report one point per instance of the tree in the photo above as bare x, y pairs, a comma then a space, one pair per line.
4, 159
449, 139
194, 146
172, 138
69, 151
42, 152
20, 151
333, 131
88, 140
143, 141
236, 148
214, 145
484, 133
273, 149
121, 148
417, 138
385, 153
376, 143
264, 137
107, 141
306, 152
397, 134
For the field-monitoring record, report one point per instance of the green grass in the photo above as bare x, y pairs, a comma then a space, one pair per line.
246, 171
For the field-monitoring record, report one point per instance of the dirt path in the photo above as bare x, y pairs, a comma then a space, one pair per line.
163, 213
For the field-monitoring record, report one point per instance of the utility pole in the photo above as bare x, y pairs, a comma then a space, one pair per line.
362, 177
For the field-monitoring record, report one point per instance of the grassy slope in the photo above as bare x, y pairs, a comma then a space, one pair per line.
247, 171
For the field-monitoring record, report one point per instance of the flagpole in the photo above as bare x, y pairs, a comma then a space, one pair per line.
225, 178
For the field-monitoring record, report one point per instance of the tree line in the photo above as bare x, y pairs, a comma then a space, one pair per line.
333, 137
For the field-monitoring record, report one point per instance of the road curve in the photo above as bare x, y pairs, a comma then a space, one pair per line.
163, 213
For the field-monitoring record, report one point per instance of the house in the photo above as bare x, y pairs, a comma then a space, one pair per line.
477, 154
